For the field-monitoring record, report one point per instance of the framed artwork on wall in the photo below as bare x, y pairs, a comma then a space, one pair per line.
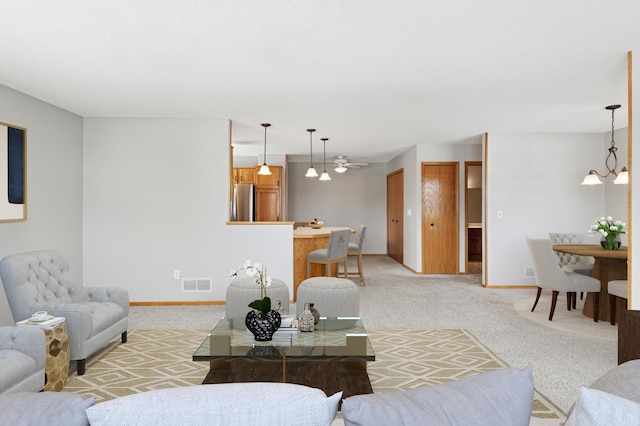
13, 173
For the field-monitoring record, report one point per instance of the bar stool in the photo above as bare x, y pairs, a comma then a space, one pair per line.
355, 250
335, 252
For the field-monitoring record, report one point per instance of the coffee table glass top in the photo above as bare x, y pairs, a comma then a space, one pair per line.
333, 338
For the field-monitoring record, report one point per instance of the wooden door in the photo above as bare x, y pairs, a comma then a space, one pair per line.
395, 215
267, 205
440, 219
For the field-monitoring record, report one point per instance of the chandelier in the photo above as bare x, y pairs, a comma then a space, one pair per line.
622, 177
264, 169
311, 171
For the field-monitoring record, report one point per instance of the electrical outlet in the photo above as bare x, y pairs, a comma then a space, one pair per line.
176, 274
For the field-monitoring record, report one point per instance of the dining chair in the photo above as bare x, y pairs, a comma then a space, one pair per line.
550, 276
355, 250
335, 253
617, 288
572, 262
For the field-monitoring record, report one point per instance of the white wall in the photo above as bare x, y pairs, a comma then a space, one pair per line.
54, 183
534, 179
412, 243
356, 197
156, 199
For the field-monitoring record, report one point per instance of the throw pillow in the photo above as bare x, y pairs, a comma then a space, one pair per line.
225, 404
500, 397
596, 408
44, 408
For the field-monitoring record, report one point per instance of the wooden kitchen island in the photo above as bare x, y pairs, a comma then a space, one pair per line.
306, 240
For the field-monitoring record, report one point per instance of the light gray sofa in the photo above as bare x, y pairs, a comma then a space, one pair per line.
22, 356
40, 281
499, 397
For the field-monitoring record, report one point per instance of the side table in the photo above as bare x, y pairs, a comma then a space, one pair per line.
57, 363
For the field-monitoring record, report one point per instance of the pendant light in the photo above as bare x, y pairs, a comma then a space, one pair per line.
264, 169
311, 171
325, 175
593, 177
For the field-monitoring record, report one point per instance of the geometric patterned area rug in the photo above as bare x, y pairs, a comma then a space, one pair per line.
405, 359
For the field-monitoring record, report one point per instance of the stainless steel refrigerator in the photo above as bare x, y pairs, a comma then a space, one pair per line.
243, 203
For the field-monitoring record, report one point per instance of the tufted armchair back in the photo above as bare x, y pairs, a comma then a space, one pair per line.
39, 279
569, 238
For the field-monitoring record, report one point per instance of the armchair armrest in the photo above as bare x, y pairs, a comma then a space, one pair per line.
28, 340
117, 295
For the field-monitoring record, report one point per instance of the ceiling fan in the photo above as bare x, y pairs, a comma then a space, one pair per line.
341, 164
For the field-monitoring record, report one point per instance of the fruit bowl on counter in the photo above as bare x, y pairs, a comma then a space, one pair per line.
316, 224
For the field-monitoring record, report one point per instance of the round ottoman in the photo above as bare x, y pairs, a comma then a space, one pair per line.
244, 290
332, 297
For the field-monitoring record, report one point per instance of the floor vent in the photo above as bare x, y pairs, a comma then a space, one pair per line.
196, 284
528, 272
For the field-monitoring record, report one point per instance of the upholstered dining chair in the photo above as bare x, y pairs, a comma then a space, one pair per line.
617, 288
335, 253
355, 250
572, 262
550, 276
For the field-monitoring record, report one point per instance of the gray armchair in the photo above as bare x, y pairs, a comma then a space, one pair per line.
40, 281
23, 353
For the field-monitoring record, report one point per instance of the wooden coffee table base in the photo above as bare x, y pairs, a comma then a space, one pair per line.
350, 377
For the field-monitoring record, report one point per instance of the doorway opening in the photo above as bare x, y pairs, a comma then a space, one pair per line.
473, 216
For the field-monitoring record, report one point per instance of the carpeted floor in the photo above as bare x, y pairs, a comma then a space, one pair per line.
396, 298
405, 359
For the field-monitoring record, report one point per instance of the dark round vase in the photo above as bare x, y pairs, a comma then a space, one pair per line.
263, 328
610, 245
315, 313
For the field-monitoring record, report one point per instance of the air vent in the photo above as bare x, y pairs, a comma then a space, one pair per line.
528, 272
196, 284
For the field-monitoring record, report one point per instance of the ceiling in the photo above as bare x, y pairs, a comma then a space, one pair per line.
375, 77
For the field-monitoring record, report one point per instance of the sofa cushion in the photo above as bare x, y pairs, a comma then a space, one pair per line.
621, 381
500, 397
220, 404
595, 408
44, 408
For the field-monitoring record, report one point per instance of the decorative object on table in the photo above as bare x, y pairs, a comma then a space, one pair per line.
622, 177
306, 322
316, 224
282, 309
262, 321
315, 313
610, 232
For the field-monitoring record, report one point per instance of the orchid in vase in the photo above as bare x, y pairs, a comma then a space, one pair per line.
610, 230
259, 271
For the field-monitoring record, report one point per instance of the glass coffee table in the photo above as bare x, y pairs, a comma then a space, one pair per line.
332, 358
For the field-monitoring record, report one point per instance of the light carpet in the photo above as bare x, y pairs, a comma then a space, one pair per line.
405, 359
572, 321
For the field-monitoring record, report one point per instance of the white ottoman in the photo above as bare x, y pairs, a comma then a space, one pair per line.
332, 297
244, 290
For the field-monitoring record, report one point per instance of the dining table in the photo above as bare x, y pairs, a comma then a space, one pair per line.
608, 265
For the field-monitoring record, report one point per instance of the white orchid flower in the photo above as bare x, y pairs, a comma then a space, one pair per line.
609, 218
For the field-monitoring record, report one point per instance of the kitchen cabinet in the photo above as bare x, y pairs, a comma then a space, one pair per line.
245, 175
268, 204
270, 181
269, 196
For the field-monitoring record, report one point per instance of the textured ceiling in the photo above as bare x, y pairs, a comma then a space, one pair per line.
375, 77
